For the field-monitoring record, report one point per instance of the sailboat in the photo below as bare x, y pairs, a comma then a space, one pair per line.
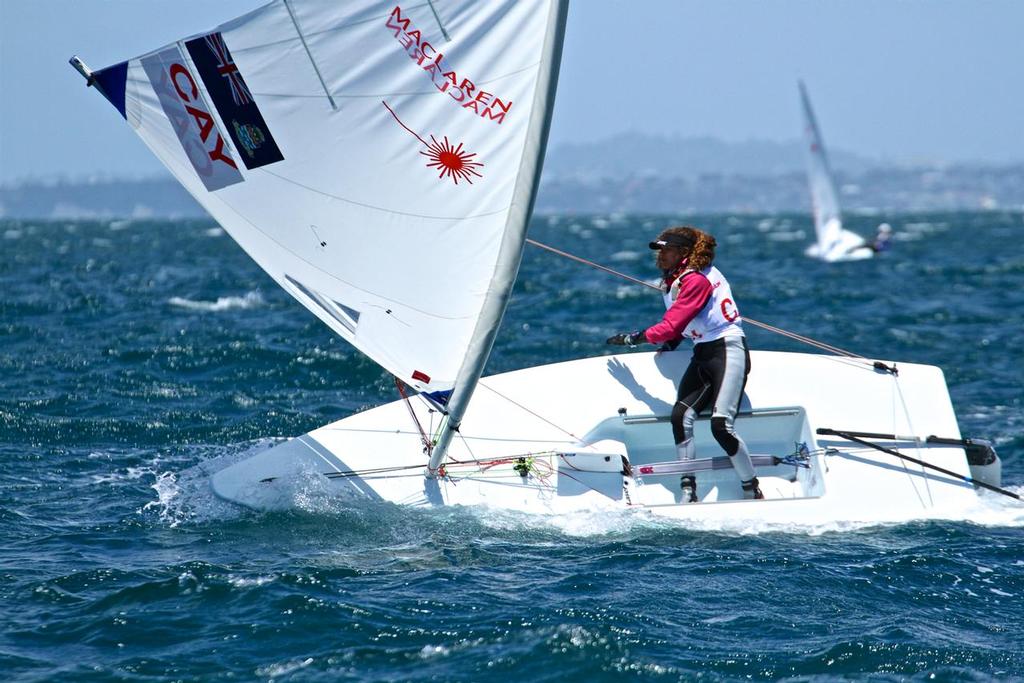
833, 242
380, 163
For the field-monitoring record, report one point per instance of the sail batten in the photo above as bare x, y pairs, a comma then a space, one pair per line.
397, 219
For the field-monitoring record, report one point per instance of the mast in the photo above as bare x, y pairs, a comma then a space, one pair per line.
511, 251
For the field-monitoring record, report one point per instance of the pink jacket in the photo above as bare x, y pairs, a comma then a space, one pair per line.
694, 292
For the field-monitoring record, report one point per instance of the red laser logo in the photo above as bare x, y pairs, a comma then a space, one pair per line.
450, 161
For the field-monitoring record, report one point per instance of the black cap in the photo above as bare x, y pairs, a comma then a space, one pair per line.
670, 240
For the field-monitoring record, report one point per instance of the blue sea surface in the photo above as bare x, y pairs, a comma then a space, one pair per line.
138, 355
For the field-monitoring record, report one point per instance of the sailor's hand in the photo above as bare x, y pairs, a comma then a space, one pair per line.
626, 338
669, 346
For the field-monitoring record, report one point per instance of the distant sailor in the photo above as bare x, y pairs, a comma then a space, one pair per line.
883, 240
701, 308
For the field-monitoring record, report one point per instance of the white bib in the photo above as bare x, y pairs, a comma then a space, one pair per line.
719, 318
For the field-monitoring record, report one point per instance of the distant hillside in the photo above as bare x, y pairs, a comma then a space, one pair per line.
150, 198
636, 154
628, 172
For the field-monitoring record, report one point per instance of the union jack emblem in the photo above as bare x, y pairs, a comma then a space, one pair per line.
226, 68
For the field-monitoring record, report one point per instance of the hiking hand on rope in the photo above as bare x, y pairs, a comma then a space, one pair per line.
627, 338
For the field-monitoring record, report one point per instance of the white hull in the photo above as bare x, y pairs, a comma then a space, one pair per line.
838, 244
565, 417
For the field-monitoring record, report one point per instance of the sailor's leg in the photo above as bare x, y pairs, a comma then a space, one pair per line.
730, 371
695, 391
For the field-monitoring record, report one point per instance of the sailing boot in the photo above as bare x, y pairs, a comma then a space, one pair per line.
689, 485
687, 450
752, 489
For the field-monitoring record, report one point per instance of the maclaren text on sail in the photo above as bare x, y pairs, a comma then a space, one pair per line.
484, 104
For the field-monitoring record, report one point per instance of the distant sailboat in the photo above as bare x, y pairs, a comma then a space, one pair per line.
380, 162
833, 242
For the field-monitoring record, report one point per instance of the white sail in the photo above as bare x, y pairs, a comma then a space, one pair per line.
832, 243
378, 160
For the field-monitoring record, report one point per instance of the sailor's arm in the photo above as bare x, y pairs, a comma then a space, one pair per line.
694, 292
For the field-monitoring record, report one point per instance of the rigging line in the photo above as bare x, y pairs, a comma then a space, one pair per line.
337, 474
295, 22
770, 328
341, 474
427, 443
465, 442
970, 480
435, 432
536, 415
910, 426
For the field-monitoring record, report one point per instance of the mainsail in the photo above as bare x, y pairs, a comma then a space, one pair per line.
378, 160
833, 242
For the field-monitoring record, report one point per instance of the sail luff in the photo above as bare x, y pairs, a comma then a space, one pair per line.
514, 240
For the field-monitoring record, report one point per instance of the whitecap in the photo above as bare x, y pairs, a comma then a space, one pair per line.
721, 619
250, 582
430, 651
630, 292
130, 474
224, 303
284, 668
625, 255
630, 522
787, 236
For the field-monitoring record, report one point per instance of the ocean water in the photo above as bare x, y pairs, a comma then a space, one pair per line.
137, 355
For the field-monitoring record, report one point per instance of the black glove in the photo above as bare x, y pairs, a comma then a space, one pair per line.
670, 345
627, 338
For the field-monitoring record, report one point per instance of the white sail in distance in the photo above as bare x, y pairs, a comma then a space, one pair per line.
832, 241
378, 160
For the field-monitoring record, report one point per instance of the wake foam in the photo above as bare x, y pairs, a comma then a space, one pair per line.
996, 510
185, 497
630, 523
224, 303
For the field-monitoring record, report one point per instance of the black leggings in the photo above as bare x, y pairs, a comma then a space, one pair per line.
717, 375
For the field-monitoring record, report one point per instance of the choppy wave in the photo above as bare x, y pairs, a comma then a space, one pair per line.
120, 398
223, 303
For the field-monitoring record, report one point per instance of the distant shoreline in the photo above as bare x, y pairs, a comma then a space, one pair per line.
946, 188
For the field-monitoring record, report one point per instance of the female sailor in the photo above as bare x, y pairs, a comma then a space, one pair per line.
701, 307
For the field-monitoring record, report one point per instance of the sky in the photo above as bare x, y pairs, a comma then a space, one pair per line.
900, 81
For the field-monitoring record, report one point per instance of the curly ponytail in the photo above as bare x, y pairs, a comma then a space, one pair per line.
702, 253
